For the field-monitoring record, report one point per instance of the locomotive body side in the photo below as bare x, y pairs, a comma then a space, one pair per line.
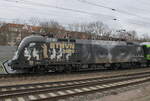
38, 53
111, 51
103, 53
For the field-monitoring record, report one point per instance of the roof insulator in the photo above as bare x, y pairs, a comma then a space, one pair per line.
113, 9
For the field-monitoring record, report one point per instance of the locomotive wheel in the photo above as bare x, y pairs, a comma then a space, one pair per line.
116, 67
68, 69
39, 69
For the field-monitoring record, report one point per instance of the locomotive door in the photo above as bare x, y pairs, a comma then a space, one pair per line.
86, 53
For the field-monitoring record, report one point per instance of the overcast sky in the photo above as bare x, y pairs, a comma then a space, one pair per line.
130, 14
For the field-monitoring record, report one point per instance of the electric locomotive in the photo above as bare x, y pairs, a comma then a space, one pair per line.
43, 54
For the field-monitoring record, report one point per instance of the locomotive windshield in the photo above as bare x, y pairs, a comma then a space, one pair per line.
147, 51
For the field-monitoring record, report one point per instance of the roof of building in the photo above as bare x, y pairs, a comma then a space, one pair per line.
23, 26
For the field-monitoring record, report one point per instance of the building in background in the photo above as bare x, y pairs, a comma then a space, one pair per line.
12, 34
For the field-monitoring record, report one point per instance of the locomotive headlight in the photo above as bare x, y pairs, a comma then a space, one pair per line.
9, 63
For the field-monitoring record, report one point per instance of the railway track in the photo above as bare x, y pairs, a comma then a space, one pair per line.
51, 91
136, 70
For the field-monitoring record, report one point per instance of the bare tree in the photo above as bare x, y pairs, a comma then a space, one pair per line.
51, 27
51, 24
127, 35
19, 21
146, 37
79, 27
34, 21
132, 35
96, 28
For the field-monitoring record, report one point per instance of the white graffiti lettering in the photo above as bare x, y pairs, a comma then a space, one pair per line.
36, 54
27, 53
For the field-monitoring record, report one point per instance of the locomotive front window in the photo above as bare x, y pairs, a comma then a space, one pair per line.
148, 50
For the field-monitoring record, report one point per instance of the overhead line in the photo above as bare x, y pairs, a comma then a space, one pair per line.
113, 9
62, 8
84, 1
47, 13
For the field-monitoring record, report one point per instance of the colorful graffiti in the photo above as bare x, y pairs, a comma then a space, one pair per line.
52, 51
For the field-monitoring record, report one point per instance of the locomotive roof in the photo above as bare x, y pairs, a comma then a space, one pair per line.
102, 42
145, 43
38, 38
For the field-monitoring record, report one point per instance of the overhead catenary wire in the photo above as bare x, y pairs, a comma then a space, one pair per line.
98, 5
62, 8
47, 12
112, 9
80, 11
145, 20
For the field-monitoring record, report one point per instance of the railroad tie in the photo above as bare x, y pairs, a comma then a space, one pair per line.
32, 97
21, 99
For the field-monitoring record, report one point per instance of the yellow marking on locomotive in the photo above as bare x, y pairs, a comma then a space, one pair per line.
45, 51
62, 45
67, 47
52, 45
68, 51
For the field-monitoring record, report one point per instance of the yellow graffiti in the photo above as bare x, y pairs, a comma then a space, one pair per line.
68, 51
66, 47
62, 45
45, 51
52, 45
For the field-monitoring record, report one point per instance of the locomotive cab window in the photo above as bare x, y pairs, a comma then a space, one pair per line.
146, 49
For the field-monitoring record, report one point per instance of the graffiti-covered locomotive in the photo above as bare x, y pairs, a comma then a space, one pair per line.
43, 54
